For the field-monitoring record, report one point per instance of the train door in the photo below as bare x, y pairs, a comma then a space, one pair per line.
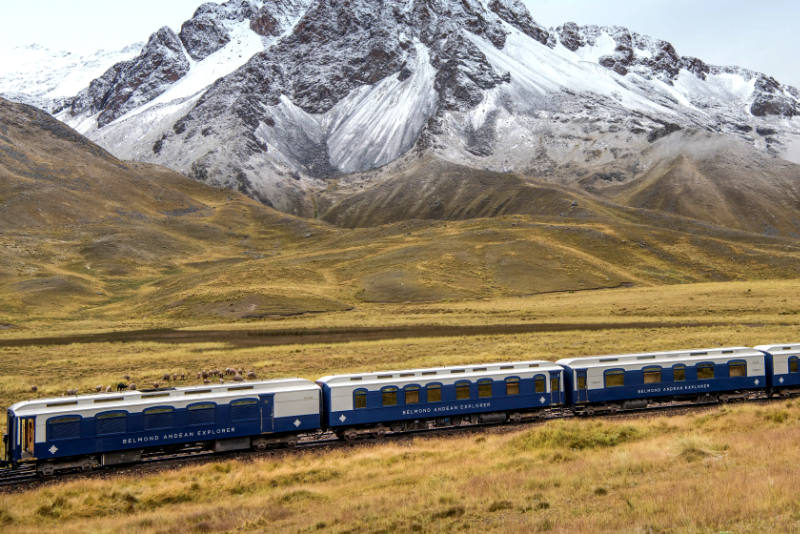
27, 426
581, 386
267, 412
555, 387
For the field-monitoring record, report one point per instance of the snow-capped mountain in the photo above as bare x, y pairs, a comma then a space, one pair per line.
42, 77
276, 97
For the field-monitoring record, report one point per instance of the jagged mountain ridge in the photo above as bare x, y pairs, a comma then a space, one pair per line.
45, 78
308, 89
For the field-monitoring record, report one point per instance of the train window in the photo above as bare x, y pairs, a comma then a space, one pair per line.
793, 366
244, 410
434, 392
66, 427
160, 417
360, 399
615, 378
705, 371
389, 396
412, 394
555, 384
581, 381
111, 423
512, 386
652, 375
462, 390
679, 373
202, 413
539, 384
737, 369
485, 388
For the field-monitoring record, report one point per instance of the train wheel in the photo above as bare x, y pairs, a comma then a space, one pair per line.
47, 470
88, 464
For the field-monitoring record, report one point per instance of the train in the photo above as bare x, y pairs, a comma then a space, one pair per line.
88, 431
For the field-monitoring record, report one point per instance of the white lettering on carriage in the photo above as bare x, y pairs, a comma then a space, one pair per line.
179, 435
673, 389
448, 408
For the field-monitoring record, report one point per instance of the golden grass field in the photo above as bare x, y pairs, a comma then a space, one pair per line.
112, 268
729, 469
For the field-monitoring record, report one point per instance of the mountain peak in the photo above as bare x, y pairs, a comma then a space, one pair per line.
276, 98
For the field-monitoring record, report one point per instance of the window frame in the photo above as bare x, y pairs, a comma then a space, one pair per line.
581, 377
793, 360
460, 386
158, 410
412, 387
706, 365
483, 382
388, 390
617, 371
679, 367
539, 380
555, 383
198, 406
737, 363
435, 386
512, 380
360, 393
250, 401
651, 369
61, 419
111, 414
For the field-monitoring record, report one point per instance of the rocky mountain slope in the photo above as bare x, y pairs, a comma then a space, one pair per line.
84, 234
44, 78
277, 98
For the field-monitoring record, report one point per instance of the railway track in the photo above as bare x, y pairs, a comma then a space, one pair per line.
25, 478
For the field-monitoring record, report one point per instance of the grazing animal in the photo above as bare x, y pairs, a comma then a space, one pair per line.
127, 378
34, 388
156, 385
98, 388
238, 378
132, 387
221, 380
71, 392
108, 389
122, 386
166, 377
183, 376
206, 381
251, 374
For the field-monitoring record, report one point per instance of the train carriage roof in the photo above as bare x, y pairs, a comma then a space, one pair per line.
785, 348
143, 399
689, 357
438, 374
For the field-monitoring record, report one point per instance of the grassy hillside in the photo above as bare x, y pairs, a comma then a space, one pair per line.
704, 472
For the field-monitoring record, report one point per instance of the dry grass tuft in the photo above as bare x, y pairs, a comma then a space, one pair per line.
577, 435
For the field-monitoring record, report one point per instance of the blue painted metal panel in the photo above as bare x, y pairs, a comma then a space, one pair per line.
137, 437
448, 407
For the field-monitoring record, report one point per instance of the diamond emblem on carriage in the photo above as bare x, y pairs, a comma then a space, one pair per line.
542, 399
296, 423
780, 380
343, 418
53, 449
758, 381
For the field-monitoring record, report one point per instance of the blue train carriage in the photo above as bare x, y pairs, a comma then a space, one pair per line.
784, 362
633, 381
415, 399
87, 431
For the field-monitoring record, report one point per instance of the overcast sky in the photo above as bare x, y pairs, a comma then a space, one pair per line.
762, 35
